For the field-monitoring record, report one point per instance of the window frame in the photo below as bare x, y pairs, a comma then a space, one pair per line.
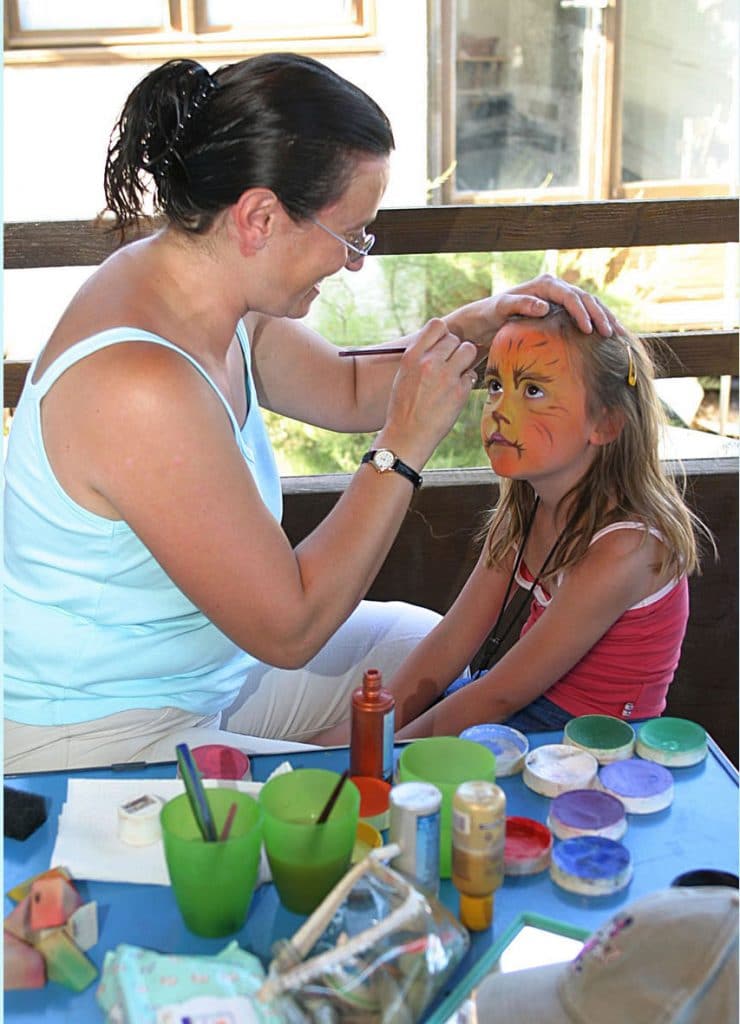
600, 144
187, 31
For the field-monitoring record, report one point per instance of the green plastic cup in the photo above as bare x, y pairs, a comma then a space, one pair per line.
446, 761
306, 859
212, 882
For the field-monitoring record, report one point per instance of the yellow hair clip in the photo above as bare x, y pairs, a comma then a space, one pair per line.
631, 372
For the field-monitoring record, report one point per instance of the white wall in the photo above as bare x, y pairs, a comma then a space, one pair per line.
57, 120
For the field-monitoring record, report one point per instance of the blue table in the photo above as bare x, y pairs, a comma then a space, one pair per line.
699, 830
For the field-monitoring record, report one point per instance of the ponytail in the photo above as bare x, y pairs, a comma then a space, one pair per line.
148, 139
197, 141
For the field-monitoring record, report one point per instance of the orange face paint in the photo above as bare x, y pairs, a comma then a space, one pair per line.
534, 423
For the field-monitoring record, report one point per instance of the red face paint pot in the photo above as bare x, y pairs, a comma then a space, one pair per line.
527, 847
217, 761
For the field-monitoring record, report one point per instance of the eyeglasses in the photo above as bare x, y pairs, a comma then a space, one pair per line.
357, 248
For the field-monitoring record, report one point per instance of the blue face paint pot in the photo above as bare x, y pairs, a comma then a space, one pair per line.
642, 786
509, 746
591, 865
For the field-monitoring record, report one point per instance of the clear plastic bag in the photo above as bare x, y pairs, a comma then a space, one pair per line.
375, 950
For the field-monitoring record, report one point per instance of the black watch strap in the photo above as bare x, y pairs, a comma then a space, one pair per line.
384, 460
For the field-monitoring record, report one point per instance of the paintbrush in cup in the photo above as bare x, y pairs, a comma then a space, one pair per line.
226, 830
196, 793
333, 798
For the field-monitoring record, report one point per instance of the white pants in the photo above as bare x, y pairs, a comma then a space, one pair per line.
284, 706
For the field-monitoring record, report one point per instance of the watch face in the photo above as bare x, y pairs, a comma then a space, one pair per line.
384, 459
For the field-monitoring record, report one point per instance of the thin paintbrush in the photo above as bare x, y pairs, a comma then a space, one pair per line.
225, 831
333, 798
196, 793
397, 351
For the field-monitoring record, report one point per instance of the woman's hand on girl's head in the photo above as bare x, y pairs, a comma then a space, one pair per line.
586, 309
479, 321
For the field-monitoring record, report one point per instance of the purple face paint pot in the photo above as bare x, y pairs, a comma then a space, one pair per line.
643, 787
527, 847
587, 812
509, 746
675, 742
557, 767
591, 865
607, 738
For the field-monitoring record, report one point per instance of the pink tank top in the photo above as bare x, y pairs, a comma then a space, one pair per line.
628, 671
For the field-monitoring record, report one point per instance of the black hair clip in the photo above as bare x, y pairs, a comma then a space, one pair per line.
163, 160
208, 87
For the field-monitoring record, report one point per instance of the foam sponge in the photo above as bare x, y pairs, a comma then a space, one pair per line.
23, 813
52, 901
65, 962
18, 920
23, 966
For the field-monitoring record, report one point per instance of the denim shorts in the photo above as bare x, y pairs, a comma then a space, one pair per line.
539, 716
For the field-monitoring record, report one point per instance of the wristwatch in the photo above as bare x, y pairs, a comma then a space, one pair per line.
384, 460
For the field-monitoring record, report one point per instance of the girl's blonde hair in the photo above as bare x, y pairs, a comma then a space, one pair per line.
626, 478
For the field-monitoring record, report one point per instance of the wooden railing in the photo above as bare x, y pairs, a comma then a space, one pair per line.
460, 229
436, 546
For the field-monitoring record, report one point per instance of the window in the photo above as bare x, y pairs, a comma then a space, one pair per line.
563, 100
104, 30
584, 99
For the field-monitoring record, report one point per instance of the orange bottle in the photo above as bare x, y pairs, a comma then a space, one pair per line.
372, 728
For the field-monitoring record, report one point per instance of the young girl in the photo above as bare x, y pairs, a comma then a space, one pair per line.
588, 522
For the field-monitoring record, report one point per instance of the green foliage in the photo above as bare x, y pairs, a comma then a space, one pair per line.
304, 450
401, 294
429, 285
513, 268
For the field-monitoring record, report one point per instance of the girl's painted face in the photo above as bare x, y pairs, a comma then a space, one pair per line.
534, 423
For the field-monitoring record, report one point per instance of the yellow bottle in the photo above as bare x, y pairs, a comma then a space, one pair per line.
478, 836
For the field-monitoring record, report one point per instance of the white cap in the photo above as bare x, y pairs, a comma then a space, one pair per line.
668, 958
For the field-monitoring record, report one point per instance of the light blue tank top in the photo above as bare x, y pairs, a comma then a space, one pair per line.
93, 625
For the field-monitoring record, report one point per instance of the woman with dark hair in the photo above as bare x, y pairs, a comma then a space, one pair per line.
151, 594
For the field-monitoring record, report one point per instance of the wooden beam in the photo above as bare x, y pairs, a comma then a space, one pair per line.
700, 354
499, 228
14, 377
495, 228
63, 243
703, 354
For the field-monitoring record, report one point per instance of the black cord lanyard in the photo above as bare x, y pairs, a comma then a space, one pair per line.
494, 641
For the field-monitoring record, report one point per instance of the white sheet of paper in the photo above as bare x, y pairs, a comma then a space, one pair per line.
87, 841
